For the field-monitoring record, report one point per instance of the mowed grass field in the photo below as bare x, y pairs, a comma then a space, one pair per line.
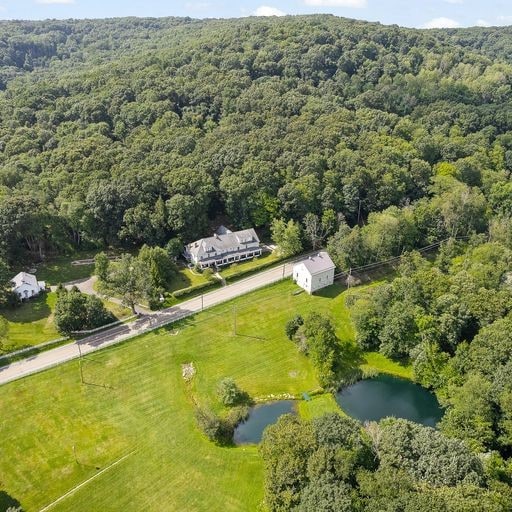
32, 322
136, 412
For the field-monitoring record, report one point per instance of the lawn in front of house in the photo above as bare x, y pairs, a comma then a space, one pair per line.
249, 266
31, 323
185, 278
135, 404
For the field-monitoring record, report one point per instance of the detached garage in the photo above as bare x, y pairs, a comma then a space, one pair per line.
314, 273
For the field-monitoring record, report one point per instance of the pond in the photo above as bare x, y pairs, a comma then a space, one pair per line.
260, 416
373, 399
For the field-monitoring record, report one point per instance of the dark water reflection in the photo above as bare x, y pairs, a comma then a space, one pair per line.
251, 430
374, 399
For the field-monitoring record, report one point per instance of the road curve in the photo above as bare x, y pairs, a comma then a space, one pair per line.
144, 324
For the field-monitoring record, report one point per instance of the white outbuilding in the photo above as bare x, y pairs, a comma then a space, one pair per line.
26, 285
314, 273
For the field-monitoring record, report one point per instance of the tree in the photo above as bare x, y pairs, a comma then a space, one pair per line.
229, 393
75, 311
323, 495
101, 266
286, 447
215, 428
287, 236
399, 333
470, 415
317, 229
323, 347
161, 269
129, 280
5, 287
427, 455
293, 325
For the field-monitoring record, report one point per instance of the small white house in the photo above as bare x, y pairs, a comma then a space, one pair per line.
314, 273
26, 285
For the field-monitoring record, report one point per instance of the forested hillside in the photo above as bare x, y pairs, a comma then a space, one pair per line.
130, 131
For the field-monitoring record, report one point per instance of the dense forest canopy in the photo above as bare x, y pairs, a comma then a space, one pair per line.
132, 131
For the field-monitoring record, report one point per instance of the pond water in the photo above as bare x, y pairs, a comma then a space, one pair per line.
373, 399
260, 416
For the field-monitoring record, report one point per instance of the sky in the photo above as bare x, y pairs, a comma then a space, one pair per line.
409, 13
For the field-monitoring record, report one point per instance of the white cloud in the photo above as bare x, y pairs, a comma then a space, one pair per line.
442, 23
504, 20
265, 10
454, 1
356, 4
483, 23
54, 2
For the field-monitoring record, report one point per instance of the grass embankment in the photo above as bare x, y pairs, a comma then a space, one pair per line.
236, 270
374, 362
137, 403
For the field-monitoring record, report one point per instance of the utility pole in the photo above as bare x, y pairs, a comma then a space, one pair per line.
80, 364
284, 267
74, 453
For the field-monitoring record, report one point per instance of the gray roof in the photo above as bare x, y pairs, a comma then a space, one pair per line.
222, 243
24, 278
318, 263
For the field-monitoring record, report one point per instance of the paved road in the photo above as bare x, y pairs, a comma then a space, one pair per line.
143, 324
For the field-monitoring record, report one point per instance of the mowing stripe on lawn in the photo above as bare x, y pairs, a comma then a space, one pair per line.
69, 493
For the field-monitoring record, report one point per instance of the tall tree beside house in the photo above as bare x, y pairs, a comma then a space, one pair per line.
5, 288
129, 280
287, 236
316, 229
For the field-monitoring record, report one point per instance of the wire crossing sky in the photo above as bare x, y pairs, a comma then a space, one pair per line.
409, 13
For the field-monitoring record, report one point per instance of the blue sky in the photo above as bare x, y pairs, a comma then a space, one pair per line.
411, 13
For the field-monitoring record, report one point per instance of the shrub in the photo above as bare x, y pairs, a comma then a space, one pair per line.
293, 325
229, 393
208, 274
215, 428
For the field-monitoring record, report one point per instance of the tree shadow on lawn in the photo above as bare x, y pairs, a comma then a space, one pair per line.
31, 311
349, 369
7, 501
332, 291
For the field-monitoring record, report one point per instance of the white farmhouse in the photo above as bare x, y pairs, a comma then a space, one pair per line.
314, 273
223, 248
26, 285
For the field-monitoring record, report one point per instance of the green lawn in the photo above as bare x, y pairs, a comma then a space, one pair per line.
137, 403
60, 270
186, 278
249, 266
32, 322
376, 362
318, 406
